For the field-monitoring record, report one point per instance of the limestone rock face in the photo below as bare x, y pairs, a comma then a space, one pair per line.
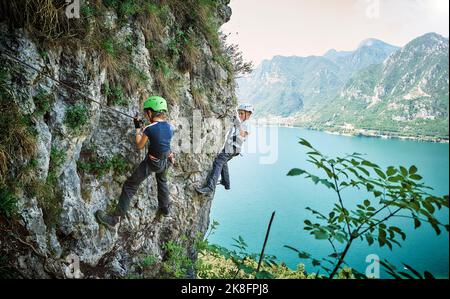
45, 250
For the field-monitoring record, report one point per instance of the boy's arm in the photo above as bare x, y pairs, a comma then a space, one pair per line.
243, 130
141, 139
244, 133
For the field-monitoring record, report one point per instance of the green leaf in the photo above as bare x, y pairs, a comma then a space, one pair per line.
389, 244
340, 238
428, 275
308, 223
417, 223
321, 235
391, 171
398, 231
343, 184
304, 255
415, 177
387, 265
404, 171
354, 172
367, 203
435, 226
380, 173
445, 201
313, 154
354, 162
413, 271
395, 229
319, 215
382, 237
301, 254
291, 248
327, 184
296, 172
377, 193
395, 179
415, 205
369, 239
305, 143
316, 263
427, 205
364, 170
412, 170
369, 164
396, 242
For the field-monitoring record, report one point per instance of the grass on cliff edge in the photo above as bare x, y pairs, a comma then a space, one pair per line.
18, 144
18, 158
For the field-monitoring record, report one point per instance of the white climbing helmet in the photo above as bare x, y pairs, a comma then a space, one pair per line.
246, 107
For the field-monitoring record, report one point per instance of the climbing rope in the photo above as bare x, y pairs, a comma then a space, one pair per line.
11, 56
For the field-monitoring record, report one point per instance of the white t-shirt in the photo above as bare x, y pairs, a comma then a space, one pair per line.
234, 140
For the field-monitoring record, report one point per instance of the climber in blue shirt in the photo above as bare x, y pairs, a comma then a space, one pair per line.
159, 135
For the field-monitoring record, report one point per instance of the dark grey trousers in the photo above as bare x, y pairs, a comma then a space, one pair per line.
131, 185
220, 168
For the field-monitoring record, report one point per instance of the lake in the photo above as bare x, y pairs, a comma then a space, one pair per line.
258, 189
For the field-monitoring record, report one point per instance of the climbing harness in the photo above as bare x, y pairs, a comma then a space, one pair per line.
5, 52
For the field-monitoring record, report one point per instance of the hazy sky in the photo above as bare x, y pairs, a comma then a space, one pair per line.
265, 28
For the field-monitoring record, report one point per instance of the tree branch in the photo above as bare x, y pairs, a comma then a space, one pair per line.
340, 201
341, 259
380, 221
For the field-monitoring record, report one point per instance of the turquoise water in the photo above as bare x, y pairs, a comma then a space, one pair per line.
258, 190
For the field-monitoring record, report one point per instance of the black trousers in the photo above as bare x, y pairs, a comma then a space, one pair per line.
131, 185
220, 168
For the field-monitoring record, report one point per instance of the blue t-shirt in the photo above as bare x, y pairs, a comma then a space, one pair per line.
159, 136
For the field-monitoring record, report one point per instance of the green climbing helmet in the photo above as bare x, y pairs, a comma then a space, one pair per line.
156, 103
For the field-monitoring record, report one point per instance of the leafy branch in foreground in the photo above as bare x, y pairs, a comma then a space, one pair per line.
411, 274
396, 192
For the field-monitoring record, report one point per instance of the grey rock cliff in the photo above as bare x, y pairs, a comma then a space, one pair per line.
43, 249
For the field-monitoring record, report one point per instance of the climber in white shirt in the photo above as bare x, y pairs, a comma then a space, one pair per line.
232, 148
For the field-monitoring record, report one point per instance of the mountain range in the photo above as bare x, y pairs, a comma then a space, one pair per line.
378, 87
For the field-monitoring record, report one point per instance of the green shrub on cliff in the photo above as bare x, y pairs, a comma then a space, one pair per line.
76, 117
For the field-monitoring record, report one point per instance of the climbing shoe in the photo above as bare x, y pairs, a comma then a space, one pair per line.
205, 190
223, 184
163, 211
107, 220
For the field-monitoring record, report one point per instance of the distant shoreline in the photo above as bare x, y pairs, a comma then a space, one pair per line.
363, 133
383, 136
